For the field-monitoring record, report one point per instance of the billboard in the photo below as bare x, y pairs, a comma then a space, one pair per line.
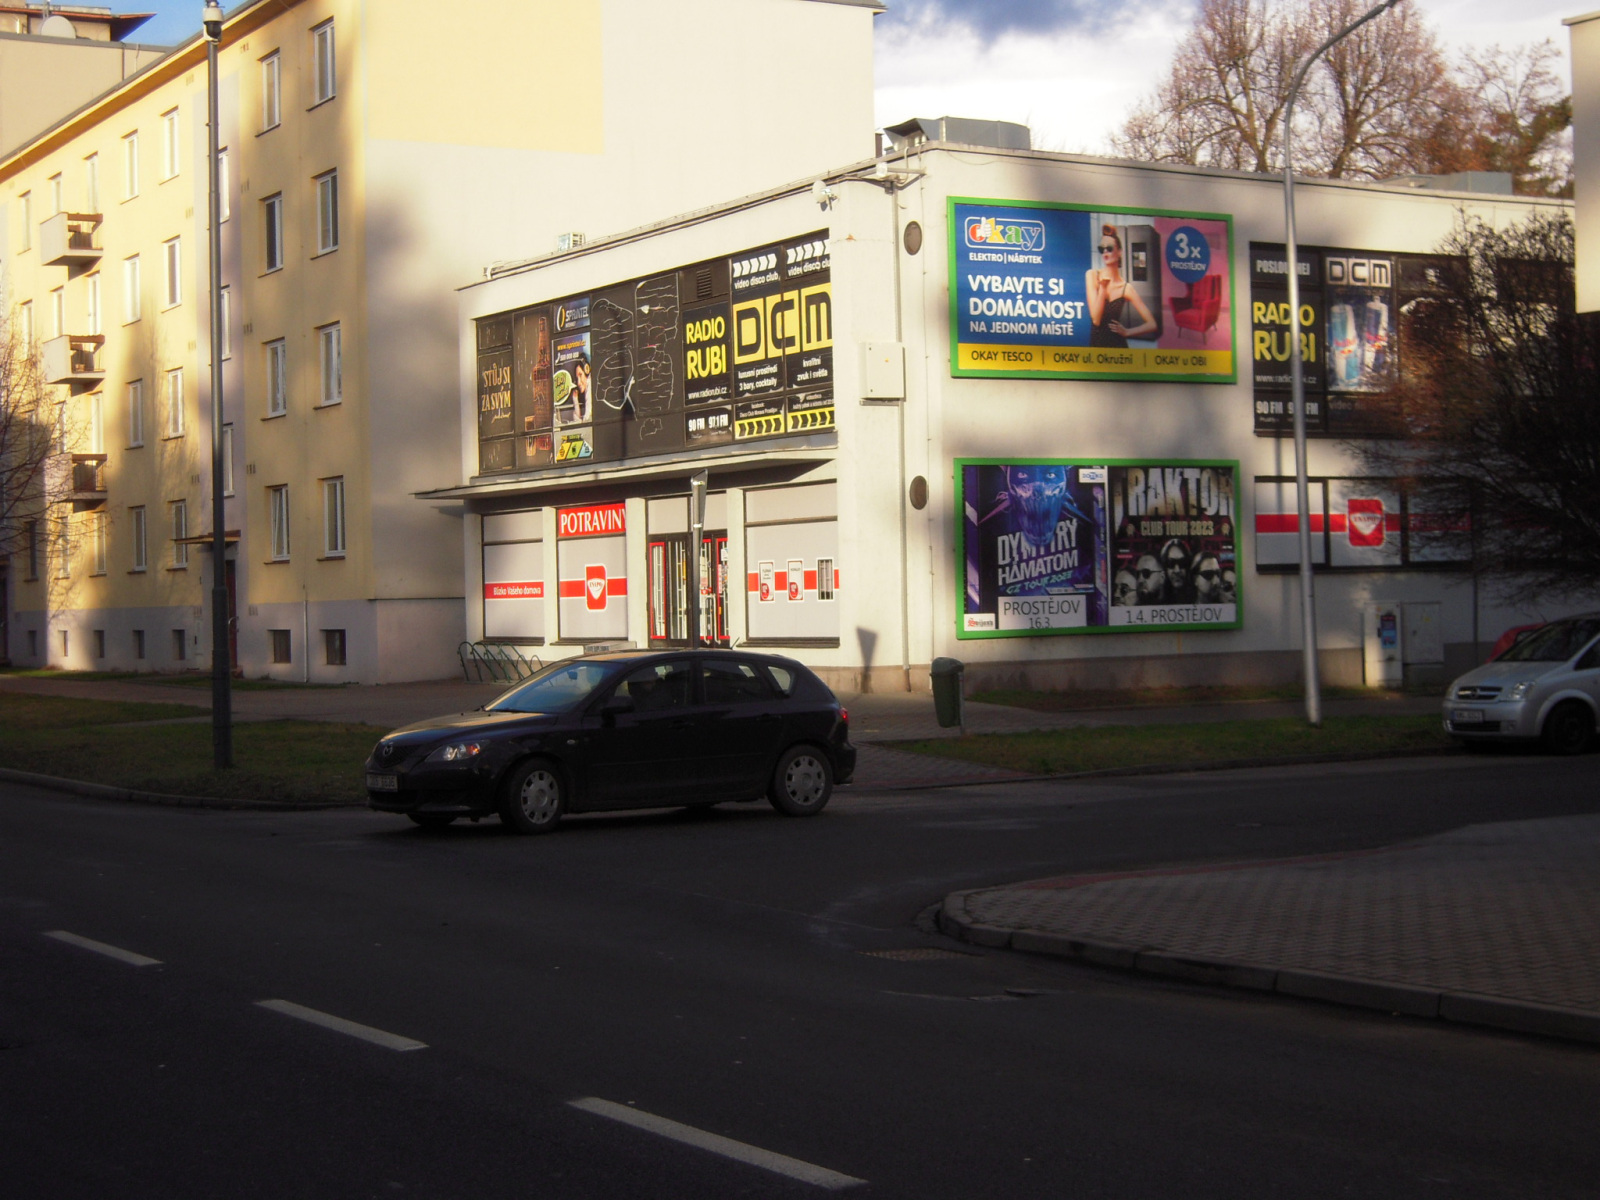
1059, 291
1054, 546
1355, 306
733, 349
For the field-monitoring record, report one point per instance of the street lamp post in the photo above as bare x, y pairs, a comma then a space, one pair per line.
1297, 383
221, 660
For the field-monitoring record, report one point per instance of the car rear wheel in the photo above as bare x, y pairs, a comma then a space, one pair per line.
431, 820
1569, 729
802, 782
534, 798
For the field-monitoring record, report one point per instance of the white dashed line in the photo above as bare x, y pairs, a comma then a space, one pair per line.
83, 943
779, 1164
378, 1037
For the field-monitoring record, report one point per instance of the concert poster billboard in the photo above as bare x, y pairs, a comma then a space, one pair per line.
732, 349
1059, 291
1354, 307
1059, 546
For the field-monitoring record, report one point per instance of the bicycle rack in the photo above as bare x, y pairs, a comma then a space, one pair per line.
491, 662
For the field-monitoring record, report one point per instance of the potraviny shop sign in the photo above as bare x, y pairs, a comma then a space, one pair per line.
1060, 291
1058, 546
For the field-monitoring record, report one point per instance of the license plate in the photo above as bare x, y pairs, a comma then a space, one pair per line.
1466, 716
383, 783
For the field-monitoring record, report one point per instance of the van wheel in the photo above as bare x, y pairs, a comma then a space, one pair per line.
1569, 729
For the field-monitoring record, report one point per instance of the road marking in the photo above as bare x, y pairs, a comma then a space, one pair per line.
83, 943
378, 1037
767, 1160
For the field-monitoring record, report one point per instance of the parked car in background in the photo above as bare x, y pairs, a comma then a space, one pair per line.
623, 729
1511, 637
1545, 686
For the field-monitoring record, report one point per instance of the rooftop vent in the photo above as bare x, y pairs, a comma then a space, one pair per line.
1003, 135
1492, 183
566, 242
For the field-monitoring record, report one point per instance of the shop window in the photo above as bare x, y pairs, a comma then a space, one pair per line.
514, 577
824, 579
99, 643
791, 545
333, 645
279, 639
65, 644
138, 644
180, 645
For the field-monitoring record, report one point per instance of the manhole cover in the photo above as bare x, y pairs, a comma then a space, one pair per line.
915, 954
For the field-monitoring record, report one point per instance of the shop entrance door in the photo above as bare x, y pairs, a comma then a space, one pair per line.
669, 588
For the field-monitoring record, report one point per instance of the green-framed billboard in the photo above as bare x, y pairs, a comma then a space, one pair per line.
1041, 290
1051, 546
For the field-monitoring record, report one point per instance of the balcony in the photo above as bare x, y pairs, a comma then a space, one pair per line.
73, 358
78, 478
69, 240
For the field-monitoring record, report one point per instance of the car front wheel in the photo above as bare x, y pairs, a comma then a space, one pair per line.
802, 782
1569, 729
534, 798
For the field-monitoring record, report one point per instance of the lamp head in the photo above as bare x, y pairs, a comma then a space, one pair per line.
211, 18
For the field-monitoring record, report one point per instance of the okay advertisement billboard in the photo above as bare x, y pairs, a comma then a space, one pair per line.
1057, 546
1059, 291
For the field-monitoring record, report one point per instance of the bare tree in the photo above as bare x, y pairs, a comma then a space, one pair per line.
1384, 101
1498, 426
28, 445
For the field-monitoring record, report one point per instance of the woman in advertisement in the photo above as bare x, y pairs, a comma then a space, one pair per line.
1110, 297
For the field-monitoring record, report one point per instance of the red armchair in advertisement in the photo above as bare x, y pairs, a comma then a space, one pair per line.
1198, 310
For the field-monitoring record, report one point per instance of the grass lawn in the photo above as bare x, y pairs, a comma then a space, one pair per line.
1060, 751
1081, 699
105, 742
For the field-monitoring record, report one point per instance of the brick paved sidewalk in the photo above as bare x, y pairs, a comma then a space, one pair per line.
1501, 917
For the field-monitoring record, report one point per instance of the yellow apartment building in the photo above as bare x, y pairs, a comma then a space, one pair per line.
376, 156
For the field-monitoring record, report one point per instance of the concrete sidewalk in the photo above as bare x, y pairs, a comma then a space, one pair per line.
1494, 925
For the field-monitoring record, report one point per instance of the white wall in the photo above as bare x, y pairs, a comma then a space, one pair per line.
1586, 154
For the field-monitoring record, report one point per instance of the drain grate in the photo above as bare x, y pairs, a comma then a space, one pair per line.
915, 954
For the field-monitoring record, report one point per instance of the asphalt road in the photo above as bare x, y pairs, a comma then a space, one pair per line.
729, 973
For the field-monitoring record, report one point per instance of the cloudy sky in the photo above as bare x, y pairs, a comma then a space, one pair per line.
1069, 68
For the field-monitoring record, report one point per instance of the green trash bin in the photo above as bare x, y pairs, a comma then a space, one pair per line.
947, 677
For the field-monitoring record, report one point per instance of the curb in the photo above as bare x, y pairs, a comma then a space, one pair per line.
104, 791
1224, 764
1397, 999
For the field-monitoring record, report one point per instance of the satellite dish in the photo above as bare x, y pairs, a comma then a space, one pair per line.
58, 26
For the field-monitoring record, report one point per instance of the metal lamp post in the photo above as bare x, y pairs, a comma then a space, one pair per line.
221, 660
1308, 598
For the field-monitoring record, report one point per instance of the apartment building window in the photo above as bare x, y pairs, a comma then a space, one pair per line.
331, 350
272, 219
333, 517
33, 643
55, 194
135, 413
224, 167
66, 643
333, 645
278, 504
141, 543
227, 460
279, 639
271, 92
277, 378
33, 550
180, 530
97, 423
91, 183
169, 143
132, 290
322, 57
327, 212
175, 413
180, 645
225, 311
99, 643
58, 311
25, 208
138, 644
92, 294
58, 429
174, 256
64, 548
130, 166
25, 320
97, 542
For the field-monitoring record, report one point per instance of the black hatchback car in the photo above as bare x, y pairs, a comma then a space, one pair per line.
623, 729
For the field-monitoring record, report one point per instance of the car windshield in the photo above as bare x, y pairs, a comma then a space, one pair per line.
1556, 642
560, 687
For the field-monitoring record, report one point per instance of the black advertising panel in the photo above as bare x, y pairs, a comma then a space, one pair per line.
1354, 306
494, 412
738, 348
